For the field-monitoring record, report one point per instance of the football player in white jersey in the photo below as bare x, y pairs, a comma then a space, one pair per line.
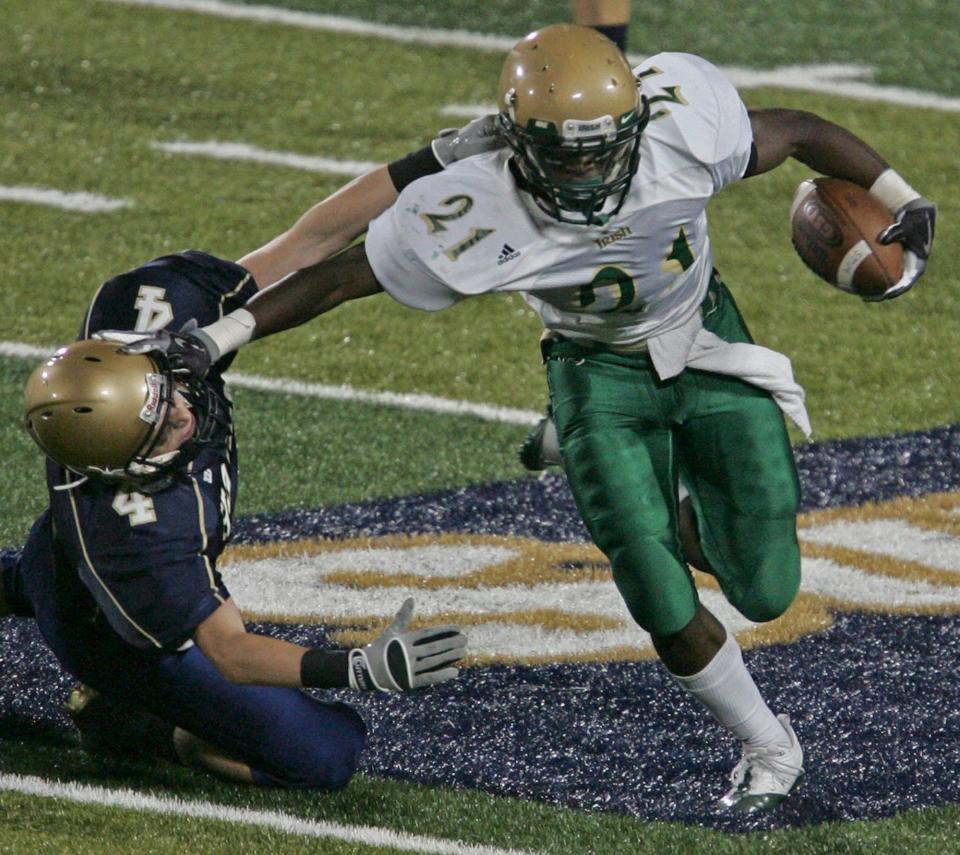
596, 213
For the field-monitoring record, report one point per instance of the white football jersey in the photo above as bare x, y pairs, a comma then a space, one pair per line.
468, 230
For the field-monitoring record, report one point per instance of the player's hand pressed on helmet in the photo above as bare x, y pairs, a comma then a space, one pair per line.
400, 659
187, 351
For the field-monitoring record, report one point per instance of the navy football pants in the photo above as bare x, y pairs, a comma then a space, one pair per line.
288, 738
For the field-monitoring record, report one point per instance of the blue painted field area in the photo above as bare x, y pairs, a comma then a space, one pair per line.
875, 698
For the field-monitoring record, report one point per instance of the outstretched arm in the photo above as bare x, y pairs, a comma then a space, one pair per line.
398, 660
325, 229
313, 286
332, 224
309, 292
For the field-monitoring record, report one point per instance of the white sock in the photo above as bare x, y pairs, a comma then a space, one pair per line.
727, 690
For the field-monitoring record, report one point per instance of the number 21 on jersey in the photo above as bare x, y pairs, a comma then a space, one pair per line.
460, 204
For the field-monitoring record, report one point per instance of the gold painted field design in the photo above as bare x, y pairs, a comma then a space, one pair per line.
527, 601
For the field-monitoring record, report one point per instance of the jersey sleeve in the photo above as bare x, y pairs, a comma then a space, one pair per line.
717, 130
392, 252
733, 134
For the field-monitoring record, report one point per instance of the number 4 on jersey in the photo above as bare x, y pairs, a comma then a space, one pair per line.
154, 313
135, 506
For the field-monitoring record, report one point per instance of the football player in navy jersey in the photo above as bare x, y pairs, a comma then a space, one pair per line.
120, 571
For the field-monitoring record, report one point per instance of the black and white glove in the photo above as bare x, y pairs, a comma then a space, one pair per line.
914, 228
399, 659
476, 137
186, 350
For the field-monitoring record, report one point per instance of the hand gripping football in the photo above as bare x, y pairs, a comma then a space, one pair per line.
835, 229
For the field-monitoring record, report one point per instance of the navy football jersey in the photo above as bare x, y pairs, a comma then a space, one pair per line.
149, 561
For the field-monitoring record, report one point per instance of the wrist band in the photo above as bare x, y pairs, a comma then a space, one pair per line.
893, 191
228, 334
324, 669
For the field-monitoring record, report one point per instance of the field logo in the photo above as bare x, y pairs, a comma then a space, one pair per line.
527, 601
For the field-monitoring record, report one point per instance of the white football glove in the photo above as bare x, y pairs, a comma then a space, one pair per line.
476, 137
914, 228
399, 660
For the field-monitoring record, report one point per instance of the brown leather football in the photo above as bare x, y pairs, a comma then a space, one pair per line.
835, 226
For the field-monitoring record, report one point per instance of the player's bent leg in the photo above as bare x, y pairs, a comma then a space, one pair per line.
629, 513
746, 497
287, 737
618, 456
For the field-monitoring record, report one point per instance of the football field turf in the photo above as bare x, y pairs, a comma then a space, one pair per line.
565, 747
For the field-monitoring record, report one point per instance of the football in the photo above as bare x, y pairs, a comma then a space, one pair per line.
835, 225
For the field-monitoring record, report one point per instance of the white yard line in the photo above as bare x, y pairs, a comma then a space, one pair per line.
851, 81
244, 151
287, 823
333, 23
87, 203
287, 386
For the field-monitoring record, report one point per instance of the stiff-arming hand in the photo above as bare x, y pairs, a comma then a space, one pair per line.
187, 352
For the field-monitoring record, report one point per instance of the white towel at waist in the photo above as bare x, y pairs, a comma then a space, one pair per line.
692, 346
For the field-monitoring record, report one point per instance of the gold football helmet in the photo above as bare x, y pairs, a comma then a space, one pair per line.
571, 110
101, 412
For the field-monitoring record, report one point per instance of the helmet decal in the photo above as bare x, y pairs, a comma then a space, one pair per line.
152, 406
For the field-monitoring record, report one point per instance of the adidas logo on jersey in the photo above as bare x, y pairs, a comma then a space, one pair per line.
508, 253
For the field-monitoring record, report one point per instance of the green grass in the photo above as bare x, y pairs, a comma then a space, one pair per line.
850, 356
893, 36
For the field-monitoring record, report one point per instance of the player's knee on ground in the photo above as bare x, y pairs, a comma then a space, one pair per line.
319, 754
12, 599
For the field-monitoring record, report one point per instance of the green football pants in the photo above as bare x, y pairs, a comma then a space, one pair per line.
626, 437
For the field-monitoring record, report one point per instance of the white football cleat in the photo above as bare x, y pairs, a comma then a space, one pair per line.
764, 777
